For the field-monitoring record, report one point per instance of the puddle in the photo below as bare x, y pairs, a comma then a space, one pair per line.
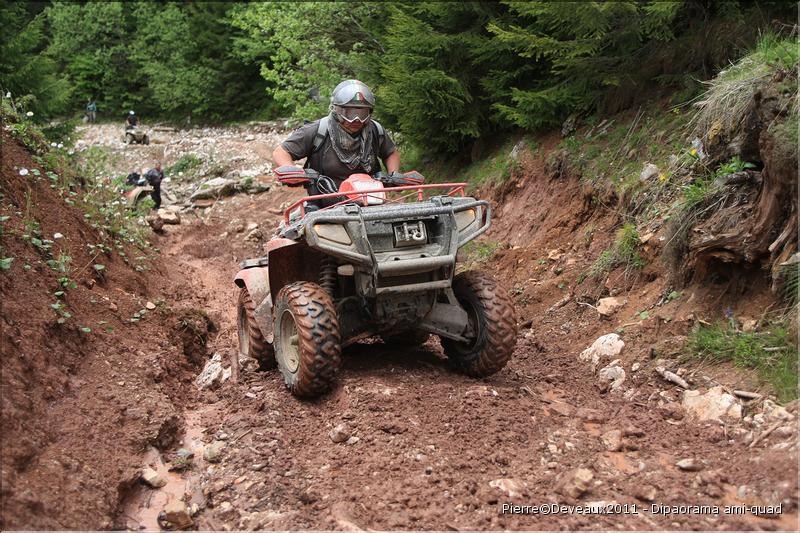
144, 504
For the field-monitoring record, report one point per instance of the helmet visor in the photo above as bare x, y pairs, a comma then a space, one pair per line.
354, 114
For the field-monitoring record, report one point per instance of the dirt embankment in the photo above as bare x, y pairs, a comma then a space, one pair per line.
427, 448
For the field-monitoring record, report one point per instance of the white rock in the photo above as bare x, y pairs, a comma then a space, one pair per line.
152, 479
169, 216
511, 487
211, 376
612, 440
612, 375
214, 188
689, 465
715, 404
648, 172
340, 433
607, 346
608, 306
774, 412
576, 482
57, 236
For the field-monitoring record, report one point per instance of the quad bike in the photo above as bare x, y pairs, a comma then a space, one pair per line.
374, 258
136, 135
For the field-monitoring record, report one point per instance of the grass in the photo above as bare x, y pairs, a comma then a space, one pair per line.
491, 170
624, 251
772, 353
723, 104
476, 253
186, 163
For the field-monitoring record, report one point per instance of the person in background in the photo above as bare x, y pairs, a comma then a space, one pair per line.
154, 177
132, 121
91, 110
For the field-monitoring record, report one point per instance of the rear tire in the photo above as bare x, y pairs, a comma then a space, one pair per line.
251, 339
492, 317
307, 339
146, 140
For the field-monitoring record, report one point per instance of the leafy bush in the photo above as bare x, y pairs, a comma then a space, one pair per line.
186, 163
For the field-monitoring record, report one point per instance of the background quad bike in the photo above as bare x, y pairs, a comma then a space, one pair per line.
133, 136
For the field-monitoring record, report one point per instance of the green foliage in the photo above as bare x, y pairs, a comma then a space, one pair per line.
772, 353
303, 50
624, 251
186, 163
476, 253
492, 170
731, 167
30, 76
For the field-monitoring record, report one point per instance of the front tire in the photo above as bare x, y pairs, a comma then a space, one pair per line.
492, 318
251, 339
128, 139
307, 339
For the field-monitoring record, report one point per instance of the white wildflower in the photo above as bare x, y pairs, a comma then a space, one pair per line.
57, 236
29, 114
23, 171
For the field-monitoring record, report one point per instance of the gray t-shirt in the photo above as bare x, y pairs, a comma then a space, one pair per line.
300, 144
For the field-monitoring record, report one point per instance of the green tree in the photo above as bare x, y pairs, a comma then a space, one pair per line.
90, 45
440, 72
307, 48
166, 55
25, 72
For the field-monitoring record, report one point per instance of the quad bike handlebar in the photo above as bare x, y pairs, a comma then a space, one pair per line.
412, 181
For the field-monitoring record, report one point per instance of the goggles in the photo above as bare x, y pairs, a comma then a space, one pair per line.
353, 114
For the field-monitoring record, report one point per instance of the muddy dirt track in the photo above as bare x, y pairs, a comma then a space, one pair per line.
426, 448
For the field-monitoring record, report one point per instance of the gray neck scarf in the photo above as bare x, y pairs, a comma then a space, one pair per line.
353, 151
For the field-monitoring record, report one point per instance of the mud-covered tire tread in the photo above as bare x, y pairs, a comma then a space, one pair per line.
498, 328
259, 348
319, 340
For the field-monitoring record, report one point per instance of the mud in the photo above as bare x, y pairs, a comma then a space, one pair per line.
431, 447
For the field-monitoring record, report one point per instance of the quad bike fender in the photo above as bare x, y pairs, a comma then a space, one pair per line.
256, 280
291, 261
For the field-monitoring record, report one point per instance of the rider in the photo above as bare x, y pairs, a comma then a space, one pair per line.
154, 177
353, 142
132, 121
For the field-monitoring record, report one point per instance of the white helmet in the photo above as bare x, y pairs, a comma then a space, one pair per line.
130, 112
352, 101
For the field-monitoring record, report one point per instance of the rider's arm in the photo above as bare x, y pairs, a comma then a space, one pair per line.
392, 162
281, 157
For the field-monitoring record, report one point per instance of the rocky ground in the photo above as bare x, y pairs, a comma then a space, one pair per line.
594, 410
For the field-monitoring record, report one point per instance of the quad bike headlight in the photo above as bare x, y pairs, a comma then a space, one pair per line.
334, 233
465, 218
